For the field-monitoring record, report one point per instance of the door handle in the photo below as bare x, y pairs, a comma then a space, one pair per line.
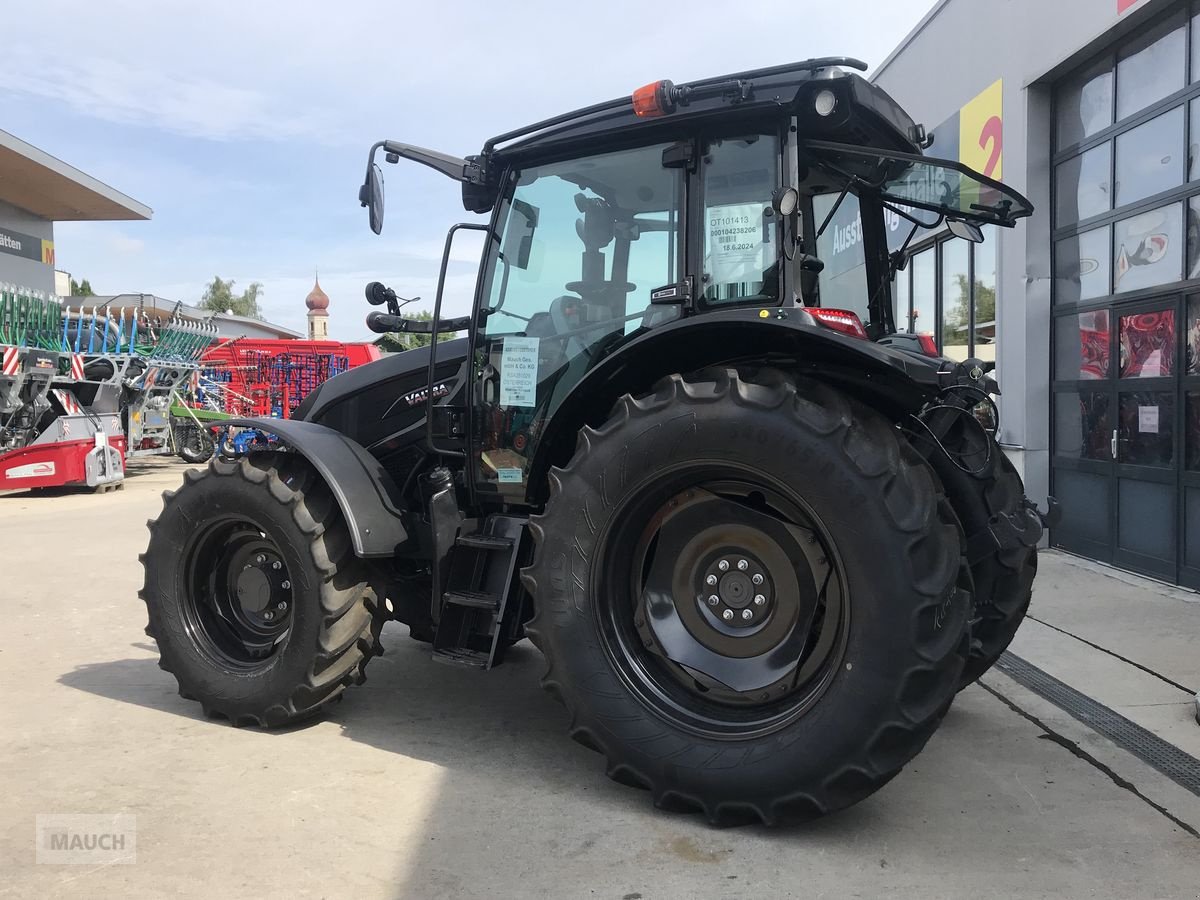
1113, 445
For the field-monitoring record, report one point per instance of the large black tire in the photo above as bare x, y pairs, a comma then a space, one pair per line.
900, 548
333, 619
1003, 578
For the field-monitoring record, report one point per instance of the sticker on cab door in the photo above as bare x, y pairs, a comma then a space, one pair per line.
518, 371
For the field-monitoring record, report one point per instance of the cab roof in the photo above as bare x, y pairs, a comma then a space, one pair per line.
864, 113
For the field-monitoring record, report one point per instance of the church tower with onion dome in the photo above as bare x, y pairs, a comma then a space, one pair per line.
317, 302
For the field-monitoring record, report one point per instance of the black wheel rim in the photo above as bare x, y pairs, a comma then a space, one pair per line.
238, 597
722, 600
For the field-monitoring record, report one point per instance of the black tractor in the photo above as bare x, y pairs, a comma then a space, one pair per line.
760, 546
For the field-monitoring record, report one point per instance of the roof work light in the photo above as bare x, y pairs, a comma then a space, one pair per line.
654, 99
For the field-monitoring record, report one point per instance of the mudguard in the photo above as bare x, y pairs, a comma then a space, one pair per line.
365, 492
893, 381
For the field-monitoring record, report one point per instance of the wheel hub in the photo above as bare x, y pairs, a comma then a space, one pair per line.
259, 584
737, 588
239, 594
253, 590
711, 593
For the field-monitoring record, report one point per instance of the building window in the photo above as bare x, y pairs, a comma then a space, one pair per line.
922, 317
1151, 67
956, 299
948, 291
1085, 104
1083, 185
1150, 158
1126, 161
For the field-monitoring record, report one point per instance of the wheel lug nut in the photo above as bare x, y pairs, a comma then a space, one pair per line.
747, 614
713, 600
281, 605
759, 600
268, 615
286, 585
727, 615
723, 565
710, 580
277, 565
756, 578
261, 558
743, 565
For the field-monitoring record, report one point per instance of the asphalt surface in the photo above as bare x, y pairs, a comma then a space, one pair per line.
433, 782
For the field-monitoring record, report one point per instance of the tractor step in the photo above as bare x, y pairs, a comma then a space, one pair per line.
480, 541
458, 656
480, 573
473, 599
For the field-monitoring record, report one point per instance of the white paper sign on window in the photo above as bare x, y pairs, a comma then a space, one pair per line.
518, 371
735, 243
1148, 419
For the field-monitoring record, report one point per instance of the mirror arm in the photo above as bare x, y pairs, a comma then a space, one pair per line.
451, 166
899, 258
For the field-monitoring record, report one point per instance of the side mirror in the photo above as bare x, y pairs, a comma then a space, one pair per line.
370, 195
968, 231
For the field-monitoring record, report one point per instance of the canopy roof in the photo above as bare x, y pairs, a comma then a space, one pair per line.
47, 187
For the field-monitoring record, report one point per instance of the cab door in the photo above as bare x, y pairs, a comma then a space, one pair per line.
580, 245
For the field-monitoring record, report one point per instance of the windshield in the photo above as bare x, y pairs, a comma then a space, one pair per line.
940, 185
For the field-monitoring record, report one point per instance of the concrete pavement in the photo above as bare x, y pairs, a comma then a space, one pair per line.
431, 782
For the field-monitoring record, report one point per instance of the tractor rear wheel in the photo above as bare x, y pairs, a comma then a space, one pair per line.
751, 596
260, 608
1002, 577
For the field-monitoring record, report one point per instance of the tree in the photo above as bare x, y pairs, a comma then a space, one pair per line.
955, 314
219, 297
395, 343
82, 288
985, 303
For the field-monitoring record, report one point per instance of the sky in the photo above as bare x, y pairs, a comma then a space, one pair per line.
245, 126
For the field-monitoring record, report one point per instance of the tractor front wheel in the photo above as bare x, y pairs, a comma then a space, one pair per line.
260, 608
751, 596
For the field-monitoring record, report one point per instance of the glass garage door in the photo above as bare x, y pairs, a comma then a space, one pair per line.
1120, 436
1125, 435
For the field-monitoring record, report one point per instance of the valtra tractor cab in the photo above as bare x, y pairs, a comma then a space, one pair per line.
759, 549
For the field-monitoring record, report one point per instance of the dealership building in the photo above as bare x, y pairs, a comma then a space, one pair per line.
1091, 307
37, 190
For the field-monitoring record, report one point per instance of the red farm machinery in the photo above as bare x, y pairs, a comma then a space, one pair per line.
81, 391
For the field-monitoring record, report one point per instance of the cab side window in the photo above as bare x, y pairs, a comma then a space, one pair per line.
844, 279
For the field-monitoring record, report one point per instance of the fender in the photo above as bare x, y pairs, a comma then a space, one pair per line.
365, 492
893, 381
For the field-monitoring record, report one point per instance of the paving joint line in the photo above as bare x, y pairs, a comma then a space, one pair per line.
1075, 750
1136, 665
